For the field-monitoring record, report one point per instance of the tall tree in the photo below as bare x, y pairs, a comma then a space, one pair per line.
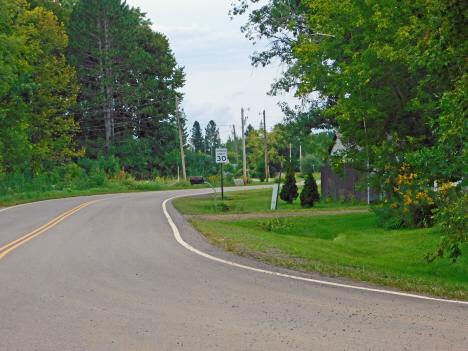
103, 40
277, 148
211, 138
197, 137
129, 79
352, 57
154, 71
38, 91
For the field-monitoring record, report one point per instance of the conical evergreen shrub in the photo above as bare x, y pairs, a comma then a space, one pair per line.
310, 193
289, 189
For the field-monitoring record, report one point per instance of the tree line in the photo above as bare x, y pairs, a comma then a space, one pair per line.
82, 79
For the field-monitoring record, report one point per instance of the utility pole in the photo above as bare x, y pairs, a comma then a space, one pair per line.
244, 158
300, 157
266, 147
235, 143
181, 140
290, 152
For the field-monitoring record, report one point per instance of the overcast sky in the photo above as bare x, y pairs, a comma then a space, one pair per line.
215, 54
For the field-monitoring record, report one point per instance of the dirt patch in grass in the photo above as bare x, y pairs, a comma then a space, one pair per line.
210, 218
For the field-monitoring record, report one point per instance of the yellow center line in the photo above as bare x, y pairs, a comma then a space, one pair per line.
11, 246
45, 225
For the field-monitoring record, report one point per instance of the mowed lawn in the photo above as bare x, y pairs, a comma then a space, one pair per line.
252, 201
342, 245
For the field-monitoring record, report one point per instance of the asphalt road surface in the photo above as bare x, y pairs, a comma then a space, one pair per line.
111, 275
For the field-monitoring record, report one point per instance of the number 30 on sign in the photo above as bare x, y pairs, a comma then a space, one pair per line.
221, 156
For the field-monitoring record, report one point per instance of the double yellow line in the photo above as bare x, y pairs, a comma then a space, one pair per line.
13, 245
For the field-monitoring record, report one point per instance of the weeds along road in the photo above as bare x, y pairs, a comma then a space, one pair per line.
110, 275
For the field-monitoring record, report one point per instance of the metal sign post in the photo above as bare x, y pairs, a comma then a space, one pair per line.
216, 197
201, 180
221, 157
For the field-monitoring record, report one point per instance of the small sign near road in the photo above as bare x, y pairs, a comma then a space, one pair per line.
221, 156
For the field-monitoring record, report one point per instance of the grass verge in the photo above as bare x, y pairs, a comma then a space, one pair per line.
252, 201
344, 245
42, 192
109, 187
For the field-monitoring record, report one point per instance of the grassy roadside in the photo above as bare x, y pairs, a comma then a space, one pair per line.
109, 187
344, 245
252, 201
18, 193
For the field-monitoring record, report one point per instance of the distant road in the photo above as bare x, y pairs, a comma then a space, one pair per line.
106, 273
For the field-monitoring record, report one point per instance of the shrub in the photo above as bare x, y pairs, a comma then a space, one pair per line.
289, 189
411, 205
310, 193
452, 218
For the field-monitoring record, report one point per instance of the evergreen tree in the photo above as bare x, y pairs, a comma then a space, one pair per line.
129, 77
127, 72
197, 138
248, 130
289, 189
211, 138
309, 194
102, 42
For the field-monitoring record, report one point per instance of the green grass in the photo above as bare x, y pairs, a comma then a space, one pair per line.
342, 245
109, 187
345, 245
19, 191
252, 201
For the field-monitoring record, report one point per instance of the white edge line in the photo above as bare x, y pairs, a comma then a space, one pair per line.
187, 246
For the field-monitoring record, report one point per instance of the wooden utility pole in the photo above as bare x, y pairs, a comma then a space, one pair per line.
181, 140
266, 147
235, 143
300, 158
244, 158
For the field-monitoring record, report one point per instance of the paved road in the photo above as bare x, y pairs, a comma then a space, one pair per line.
111, 276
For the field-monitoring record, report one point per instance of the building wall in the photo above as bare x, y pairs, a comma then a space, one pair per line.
336, 187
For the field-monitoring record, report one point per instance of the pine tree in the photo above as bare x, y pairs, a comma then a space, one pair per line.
211, 138
197, 137
309, 194
289, 189
103, 46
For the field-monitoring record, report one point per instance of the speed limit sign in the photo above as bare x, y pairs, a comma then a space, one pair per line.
221, 156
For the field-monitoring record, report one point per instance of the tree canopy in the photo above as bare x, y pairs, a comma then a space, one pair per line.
391, 78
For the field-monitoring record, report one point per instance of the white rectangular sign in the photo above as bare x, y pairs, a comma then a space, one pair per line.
274, 197
221, 156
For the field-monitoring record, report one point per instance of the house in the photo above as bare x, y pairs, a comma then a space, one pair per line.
337, 187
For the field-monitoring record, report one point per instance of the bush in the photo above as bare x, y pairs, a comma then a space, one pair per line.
259, 175
411, 205
310, 163
452, 218
310, 193
289, 189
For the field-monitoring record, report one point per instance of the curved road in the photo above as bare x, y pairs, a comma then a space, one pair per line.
112, 276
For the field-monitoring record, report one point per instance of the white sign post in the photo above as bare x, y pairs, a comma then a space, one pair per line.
222, 157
